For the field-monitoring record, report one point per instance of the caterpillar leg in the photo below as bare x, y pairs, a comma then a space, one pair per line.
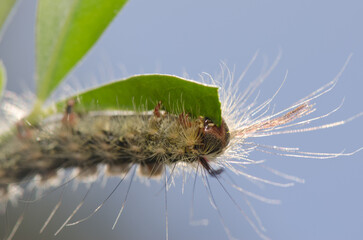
151, 170
210, 170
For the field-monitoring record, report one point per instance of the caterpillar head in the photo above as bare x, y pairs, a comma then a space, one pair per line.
214, 139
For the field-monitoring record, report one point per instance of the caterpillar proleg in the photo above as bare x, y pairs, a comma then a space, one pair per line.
158, 145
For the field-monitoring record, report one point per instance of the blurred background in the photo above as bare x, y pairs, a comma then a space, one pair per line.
174, 37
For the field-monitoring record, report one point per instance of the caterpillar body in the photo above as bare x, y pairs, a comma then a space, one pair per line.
117, 141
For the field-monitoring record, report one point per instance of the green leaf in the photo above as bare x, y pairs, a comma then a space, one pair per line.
5, 8
143, 92
65, 31
2, 78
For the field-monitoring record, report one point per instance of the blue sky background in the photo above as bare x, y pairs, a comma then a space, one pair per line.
315, 38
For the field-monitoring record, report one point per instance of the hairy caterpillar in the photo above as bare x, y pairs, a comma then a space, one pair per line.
154, 142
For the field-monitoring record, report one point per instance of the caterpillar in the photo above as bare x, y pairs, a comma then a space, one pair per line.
156, 144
